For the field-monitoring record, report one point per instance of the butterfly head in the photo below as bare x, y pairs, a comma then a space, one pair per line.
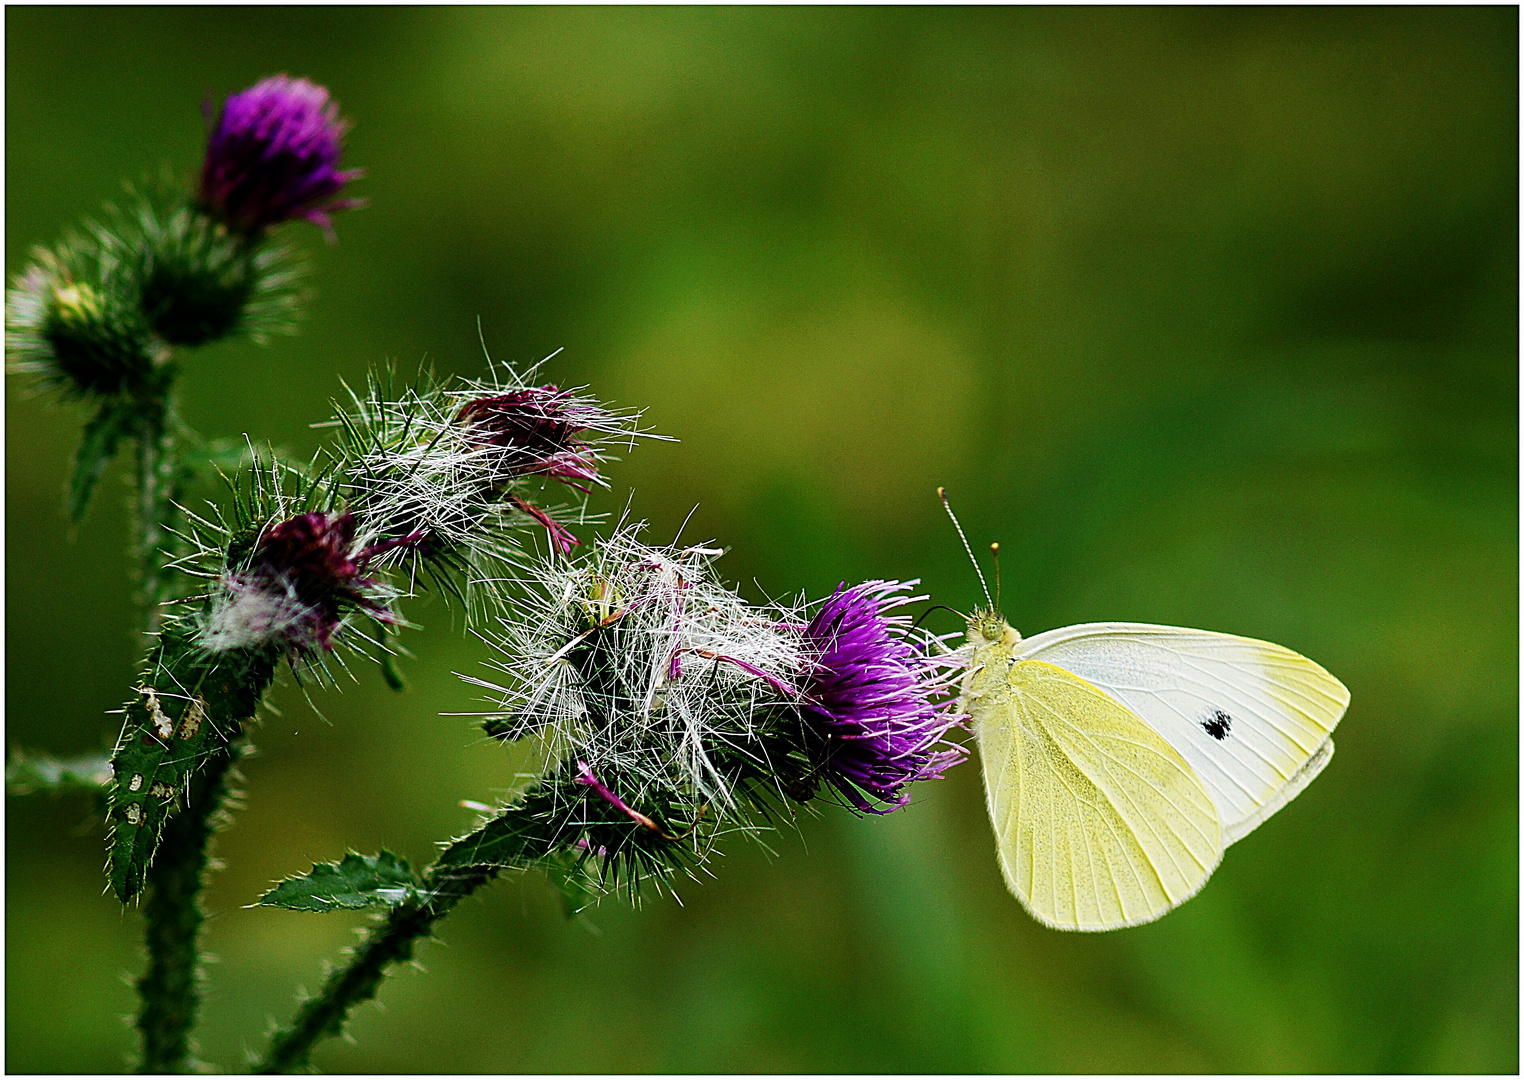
988, 627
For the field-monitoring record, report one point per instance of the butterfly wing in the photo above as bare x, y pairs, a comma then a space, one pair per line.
1252, 719
1100, 823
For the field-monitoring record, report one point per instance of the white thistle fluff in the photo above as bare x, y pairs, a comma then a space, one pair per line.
430, 477
680, 666
245, 615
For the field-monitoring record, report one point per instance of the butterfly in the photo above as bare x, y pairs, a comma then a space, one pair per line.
1121, 759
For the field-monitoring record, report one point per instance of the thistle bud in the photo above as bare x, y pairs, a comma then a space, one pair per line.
535, 432
455, 462
198, 281
72, 319
273, 156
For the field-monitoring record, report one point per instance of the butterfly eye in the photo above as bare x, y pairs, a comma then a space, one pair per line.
987, 625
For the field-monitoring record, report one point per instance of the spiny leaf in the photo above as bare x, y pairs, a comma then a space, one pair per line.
516, 837
27, 773
191, 705
110, 425
359, 881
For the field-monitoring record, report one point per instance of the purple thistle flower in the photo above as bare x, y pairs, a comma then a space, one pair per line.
309, 556
536, 428
274, 156
876, 698
303, 577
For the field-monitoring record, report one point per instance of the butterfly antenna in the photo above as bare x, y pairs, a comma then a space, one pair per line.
995, 554
942, 494
919, 619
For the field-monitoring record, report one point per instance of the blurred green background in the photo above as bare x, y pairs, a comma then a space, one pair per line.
1209, 316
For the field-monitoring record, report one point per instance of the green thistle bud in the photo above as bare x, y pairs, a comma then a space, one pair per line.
72, 319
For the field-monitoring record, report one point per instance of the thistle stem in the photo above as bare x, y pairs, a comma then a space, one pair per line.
156, 470
170, 988
388, 943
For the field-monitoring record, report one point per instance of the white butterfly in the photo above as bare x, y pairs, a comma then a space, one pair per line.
1121, 759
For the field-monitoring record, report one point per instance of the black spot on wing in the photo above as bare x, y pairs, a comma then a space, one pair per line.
1218, 725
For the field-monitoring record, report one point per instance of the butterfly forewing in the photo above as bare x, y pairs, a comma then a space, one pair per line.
1251, 718
1100, 822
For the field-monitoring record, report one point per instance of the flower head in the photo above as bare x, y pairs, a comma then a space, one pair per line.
633, 658
73, 320
535, 433
274, 156
875, 700
196, 280
672, 710
661, 686
459, 460
303, 577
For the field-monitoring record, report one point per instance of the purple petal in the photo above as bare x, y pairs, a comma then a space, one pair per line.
273, 156
878, 700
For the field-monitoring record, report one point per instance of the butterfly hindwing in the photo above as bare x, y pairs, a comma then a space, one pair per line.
1100, 823
1252, 719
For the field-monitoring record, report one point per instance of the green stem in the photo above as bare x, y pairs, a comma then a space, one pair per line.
170, 988
156, 470
390, 942
519, 837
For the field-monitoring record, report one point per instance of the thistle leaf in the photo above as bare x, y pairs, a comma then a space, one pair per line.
110, 425
359, 881
191, 705
517, 837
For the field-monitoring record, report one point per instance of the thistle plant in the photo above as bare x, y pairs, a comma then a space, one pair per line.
305, 567
102, 316
668, 712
